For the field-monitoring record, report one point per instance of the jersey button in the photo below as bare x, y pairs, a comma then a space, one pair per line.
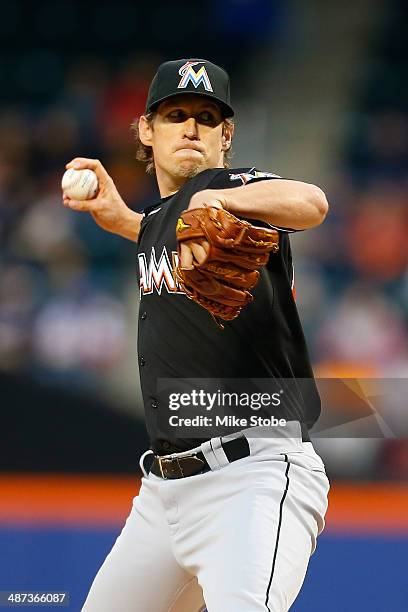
144, 315
155, 403
142, 361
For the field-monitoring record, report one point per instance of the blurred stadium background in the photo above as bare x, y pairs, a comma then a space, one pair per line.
321, 96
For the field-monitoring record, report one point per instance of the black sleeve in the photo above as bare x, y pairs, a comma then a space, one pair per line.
237, 177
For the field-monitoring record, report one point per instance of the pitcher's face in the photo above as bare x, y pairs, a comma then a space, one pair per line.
187, 136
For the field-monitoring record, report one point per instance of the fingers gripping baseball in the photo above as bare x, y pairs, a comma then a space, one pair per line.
107, 207
104, 185
80, 163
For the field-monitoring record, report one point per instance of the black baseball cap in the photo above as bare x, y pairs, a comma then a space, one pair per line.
194, 76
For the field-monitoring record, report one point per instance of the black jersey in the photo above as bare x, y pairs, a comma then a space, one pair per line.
178, 339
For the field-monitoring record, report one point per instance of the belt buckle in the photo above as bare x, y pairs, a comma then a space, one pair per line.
162, 463
197, 460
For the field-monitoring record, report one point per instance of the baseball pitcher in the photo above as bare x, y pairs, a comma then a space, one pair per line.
226, 519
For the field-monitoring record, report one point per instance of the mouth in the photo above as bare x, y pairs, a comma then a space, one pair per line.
189, 147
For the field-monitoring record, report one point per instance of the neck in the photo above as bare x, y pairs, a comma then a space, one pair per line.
167, 184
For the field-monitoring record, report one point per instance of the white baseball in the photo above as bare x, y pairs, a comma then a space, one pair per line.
79, 184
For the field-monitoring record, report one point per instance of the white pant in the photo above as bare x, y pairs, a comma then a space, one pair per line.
239, 537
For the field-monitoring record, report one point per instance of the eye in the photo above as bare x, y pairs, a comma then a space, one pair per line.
176, 115
207, 117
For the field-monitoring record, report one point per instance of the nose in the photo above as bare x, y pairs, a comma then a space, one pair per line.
190, 128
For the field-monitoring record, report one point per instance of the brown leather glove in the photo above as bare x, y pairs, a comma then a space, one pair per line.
236, 251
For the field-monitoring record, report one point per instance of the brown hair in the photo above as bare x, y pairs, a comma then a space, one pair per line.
145, 154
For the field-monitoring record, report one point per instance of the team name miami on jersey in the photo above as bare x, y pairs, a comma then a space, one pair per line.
157, 273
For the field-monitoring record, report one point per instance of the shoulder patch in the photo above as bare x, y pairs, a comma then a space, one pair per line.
245, 177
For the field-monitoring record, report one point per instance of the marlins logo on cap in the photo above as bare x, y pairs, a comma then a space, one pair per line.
193, 76
188, 74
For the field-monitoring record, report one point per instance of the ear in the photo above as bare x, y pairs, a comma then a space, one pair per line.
227, 135
145, 131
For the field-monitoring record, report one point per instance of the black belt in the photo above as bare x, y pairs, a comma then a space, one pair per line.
190, 465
